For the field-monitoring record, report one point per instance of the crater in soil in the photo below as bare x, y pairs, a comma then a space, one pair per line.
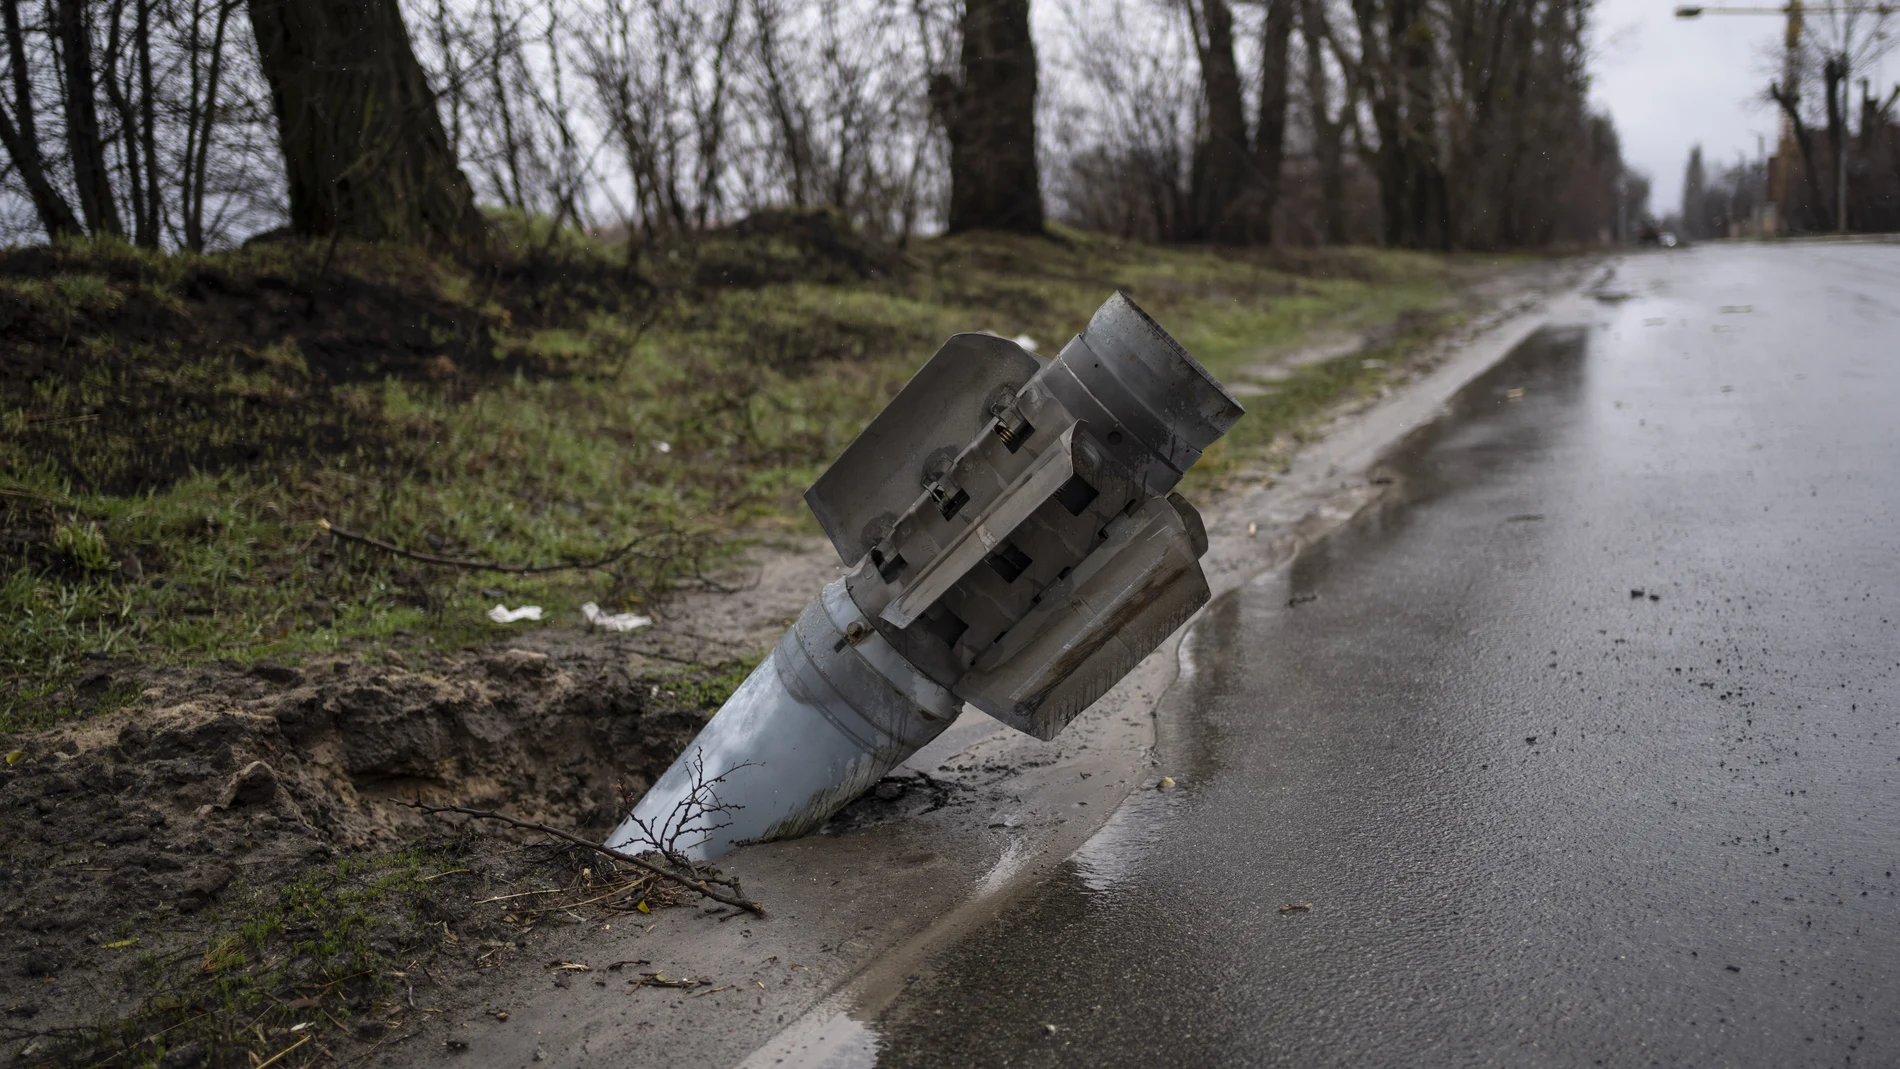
231, 774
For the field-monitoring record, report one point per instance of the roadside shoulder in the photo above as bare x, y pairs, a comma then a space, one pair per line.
968, 823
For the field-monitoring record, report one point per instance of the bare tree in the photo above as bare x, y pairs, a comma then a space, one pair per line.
1327, 125
1788, 98
1181, 119
205, 62
1269, 152
1222, 167
20, 134
84, 141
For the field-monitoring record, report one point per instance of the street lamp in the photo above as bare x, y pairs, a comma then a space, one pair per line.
1794, 10
1695, 11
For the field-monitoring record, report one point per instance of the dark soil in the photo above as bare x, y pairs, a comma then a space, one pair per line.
172, 822
148, 347
149, 351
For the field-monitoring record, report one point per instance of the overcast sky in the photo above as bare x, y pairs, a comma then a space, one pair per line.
1671, 82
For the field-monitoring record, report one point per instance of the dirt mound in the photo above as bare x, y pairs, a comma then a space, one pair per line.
162, 367
787, 245
223, 775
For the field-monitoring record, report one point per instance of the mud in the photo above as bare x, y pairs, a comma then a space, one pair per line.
227, 776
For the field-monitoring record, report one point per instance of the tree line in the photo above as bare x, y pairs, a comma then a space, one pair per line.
1825, 175
193, 124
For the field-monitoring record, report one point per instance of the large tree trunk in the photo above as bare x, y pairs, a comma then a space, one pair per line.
1269, 150
1428, 223
1221, 165
990, 117
83, 143
1412, 194
364, 150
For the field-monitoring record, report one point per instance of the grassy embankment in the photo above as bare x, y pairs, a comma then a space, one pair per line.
175, 426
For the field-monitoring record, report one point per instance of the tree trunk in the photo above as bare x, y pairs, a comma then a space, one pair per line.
121, 103
364, 151
1219, 176
1412, 191
83, 143
148, 124
207, 119
20, 136
990, 117
1270, 139
1328, 133
1791, 106
510, 143
1834, 74
1427, 225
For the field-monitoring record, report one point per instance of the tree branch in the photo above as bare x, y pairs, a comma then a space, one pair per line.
695, 884
475, 565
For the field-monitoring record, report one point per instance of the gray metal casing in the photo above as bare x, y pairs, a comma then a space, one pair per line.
830, 710
1052, 514
1016, 546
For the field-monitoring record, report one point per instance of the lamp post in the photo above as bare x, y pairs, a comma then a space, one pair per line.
1794, 10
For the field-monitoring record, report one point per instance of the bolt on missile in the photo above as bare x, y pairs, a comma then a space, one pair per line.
1015, 543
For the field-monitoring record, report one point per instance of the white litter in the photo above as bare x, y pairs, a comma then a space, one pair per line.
1025, 341
624, 621
502, 614
664, 447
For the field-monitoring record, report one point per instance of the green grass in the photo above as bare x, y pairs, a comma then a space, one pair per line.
162, 482
1287, 413
326, 949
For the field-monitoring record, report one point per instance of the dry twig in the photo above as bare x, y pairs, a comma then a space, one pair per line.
691, 883
475, 565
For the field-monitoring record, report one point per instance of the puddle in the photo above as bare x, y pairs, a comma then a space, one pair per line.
835, 1042
1112, 855
1014, 856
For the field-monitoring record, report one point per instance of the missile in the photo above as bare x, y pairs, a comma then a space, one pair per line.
1014, 542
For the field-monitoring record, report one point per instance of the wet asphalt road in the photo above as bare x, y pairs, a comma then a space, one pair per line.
1539, 818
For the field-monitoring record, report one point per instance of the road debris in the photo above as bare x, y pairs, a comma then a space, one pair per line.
502, 614
656, 979
1296, 907
624, 621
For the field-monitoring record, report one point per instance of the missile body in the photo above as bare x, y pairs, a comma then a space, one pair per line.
1015, 544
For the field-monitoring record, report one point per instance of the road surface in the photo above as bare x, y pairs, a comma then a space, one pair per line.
1582, 750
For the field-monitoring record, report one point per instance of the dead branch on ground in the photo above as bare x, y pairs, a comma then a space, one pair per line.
697, 884
475, 565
